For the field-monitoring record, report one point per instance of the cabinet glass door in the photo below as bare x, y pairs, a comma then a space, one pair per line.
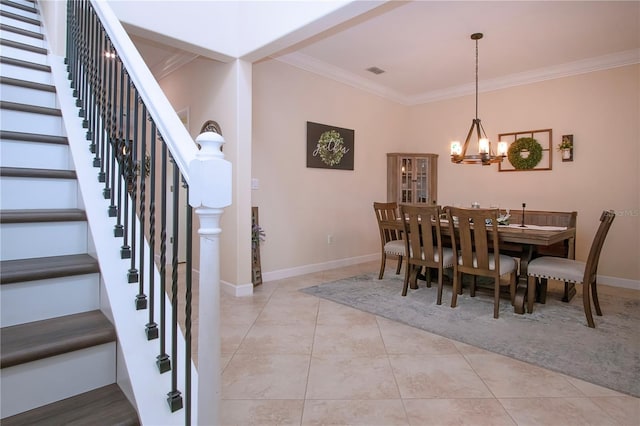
406, 176
421, 180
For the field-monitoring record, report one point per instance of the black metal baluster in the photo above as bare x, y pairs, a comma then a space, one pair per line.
118, 148
151, 328
102, 93
141, 298
188, 310
125, 249
174, 397
163, 361
134, 172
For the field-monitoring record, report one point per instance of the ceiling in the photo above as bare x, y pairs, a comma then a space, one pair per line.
425, 49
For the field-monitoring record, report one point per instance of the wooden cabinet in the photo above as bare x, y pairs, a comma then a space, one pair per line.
412, 178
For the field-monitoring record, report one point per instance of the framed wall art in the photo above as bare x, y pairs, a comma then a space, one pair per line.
329, 147
528, 151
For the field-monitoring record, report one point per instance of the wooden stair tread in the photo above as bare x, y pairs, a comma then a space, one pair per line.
37, 173
24, 64
28, 84
33, 137
21, 31
15, 271
15, 106
103, 406
36, 340
23, 46
42, 215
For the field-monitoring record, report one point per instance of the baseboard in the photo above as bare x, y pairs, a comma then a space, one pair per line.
317, 267
237, 290
619, 282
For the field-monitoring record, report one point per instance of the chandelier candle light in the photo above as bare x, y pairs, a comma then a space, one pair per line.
485, 156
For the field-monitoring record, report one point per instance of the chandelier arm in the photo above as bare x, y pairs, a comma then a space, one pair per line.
466, 141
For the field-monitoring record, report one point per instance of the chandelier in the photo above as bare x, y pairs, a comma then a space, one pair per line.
485, 155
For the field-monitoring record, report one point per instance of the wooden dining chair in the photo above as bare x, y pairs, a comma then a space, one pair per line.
423, 245
475, 239
391, 240
573, 271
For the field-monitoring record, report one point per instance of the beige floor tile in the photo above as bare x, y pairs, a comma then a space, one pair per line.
507, 377
252, 376
358, 412
278, 339
332, 313
401, 339
351, 377
457, 412
351, 339
231, 335
623, 409
239, 313
261, 412
437, 376
290, 313
556, 411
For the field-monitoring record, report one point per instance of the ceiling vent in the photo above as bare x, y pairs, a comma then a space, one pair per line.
375, 70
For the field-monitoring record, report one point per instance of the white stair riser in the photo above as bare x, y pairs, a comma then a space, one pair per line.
26, 95
35, 155
33, 193
24, 39
19, 24
23, 13
24, 2
43, 299
41, 382
28, 240
27, 74
28, 122
24, 55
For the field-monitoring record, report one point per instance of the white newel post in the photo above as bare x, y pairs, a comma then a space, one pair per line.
209, 193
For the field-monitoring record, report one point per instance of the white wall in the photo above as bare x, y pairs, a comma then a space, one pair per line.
300, 206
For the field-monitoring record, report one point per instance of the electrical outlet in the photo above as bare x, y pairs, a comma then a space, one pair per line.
329, 239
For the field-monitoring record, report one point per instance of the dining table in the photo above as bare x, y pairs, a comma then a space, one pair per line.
528, 238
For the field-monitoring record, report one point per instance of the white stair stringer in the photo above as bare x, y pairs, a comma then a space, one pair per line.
148, 388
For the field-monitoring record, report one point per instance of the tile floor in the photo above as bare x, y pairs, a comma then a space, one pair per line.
293, 359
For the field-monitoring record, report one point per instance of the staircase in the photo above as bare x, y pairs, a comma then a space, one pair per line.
58, 350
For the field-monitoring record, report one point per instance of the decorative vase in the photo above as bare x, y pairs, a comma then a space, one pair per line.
566, 153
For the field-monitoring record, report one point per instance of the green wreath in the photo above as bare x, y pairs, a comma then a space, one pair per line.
525, 144
330, 147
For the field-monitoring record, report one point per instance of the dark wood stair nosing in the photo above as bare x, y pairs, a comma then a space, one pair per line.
33, 137
15, 106
37, 173
21, 31
31, 9
24, 343
42, 215
19, 17
23, 46
104, 405
24, 64
41, 268
28, 84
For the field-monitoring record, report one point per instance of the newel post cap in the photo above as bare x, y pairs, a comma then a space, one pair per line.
210, 174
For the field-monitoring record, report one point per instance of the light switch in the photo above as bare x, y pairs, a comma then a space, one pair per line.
255, 183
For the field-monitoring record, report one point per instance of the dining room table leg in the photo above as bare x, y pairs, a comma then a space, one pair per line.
520, 302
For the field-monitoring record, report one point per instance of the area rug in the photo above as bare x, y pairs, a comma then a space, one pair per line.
554, 336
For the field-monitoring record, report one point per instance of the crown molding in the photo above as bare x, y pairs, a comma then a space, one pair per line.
171, 64
614, 60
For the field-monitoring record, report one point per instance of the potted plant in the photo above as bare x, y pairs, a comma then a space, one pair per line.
566, 147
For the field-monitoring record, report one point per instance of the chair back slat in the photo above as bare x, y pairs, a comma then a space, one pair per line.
475, 239
422, 228
389, 224
591, 269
